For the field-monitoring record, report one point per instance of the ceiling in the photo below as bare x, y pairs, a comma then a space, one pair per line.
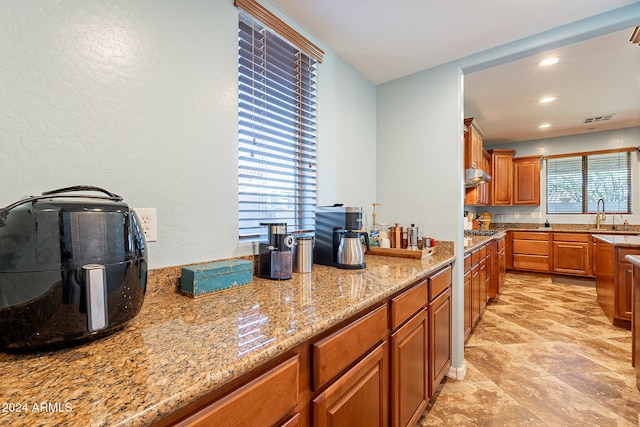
594, 78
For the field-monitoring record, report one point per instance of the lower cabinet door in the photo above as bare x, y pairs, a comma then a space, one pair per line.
292, 422
358, 398
475, 294
409, 377
484, 294
439, 339
468, 306
571, 257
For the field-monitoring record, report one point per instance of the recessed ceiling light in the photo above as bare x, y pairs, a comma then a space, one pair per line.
547, 99
544, 125
548, 61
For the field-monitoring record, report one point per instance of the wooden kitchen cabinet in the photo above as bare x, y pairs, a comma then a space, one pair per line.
439, 339
476, 157
468, 308
475, 293
358, 397
484, 275
276, 390
526, 180
478, 280
472, 144
335, 353
531, 250
498, 267
501, 177
614, 282
571, 253
409, 370
378, 368
635, 322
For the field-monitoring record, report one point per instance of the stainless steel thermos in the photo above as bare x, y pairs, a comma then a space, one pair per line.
303, 254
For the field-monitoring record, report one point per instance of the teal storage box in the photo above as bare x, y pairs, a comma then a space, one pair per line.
202, 279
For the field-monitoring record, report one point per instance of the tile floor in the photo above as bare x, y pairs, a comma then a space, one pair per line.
543, 354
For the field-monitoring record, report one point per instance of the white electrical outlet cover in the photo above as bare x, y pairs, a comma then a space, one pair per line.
148, 222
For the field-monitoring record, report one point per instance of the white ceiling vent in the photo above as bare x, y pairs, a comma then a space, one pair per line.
596, 119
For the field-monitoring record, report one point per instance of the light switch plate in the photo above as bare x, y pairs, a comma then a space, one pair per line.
535, 214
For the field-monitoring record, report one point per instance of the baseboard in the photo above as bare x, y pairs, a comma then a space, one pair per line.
458, 373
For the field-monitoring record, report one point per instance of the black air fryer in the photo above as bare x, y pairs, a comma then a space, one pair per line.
73, 267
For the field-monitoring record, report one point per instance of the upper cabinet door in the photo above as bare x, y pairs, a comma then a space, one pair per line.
472, 145
502, 177
526, 180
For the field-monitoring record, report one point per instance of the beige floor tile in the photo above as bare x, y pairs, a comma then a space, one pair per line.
477, 403
558, 404
542, 354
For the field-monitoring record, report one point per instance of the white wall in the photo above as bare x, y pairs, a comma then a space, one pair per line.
141, 98
605, 140
420, 170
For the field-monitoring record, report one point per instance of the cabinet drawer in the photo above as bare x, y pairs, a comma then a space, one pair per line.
483, 252
276, 391
531, 235
338, 351
407, 304
502, 243
570, 237
475, 257
623, 252
531, 262
467, 262
439, 282
530, 247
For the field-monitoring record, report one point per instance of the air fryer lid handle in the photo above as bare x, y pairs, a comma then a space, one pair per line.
111, 195
62, 192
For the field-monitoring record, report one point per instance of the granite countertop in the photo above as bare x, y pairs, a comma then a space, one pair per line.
618, 240
178, 348
567, 228
474, 242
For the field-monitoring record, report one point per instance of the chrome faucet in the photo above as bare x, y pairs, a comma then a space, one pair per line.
600, 216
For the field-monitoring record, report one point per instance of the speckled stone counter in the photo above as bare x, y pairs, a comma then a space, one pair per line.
568, 228
474, 242
618, 240
178, 348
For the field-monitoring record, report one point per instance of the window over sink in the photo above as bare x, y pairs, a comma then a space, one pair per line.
576, 182
276, 123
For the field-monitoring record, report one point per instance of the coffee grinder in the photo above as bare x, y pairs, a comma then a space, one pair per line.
338, 232
274, 254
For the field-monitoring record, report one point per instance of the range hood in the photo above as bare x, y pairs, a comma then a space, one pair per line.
474, 177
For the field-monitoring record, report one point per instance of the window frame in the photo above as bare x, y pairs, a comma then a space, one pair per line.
277, 103
583, 159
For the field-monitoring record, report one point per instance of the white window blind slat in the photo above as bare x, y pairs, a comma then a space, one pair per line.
276, 131
575, 184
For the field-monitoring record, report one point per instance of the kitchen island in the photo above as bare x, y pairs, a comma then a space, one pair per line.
179, 350
635, 330
613, 276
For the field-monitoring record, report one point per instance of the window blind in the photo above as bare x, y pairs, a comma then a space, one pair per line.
276, 131
576, 183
